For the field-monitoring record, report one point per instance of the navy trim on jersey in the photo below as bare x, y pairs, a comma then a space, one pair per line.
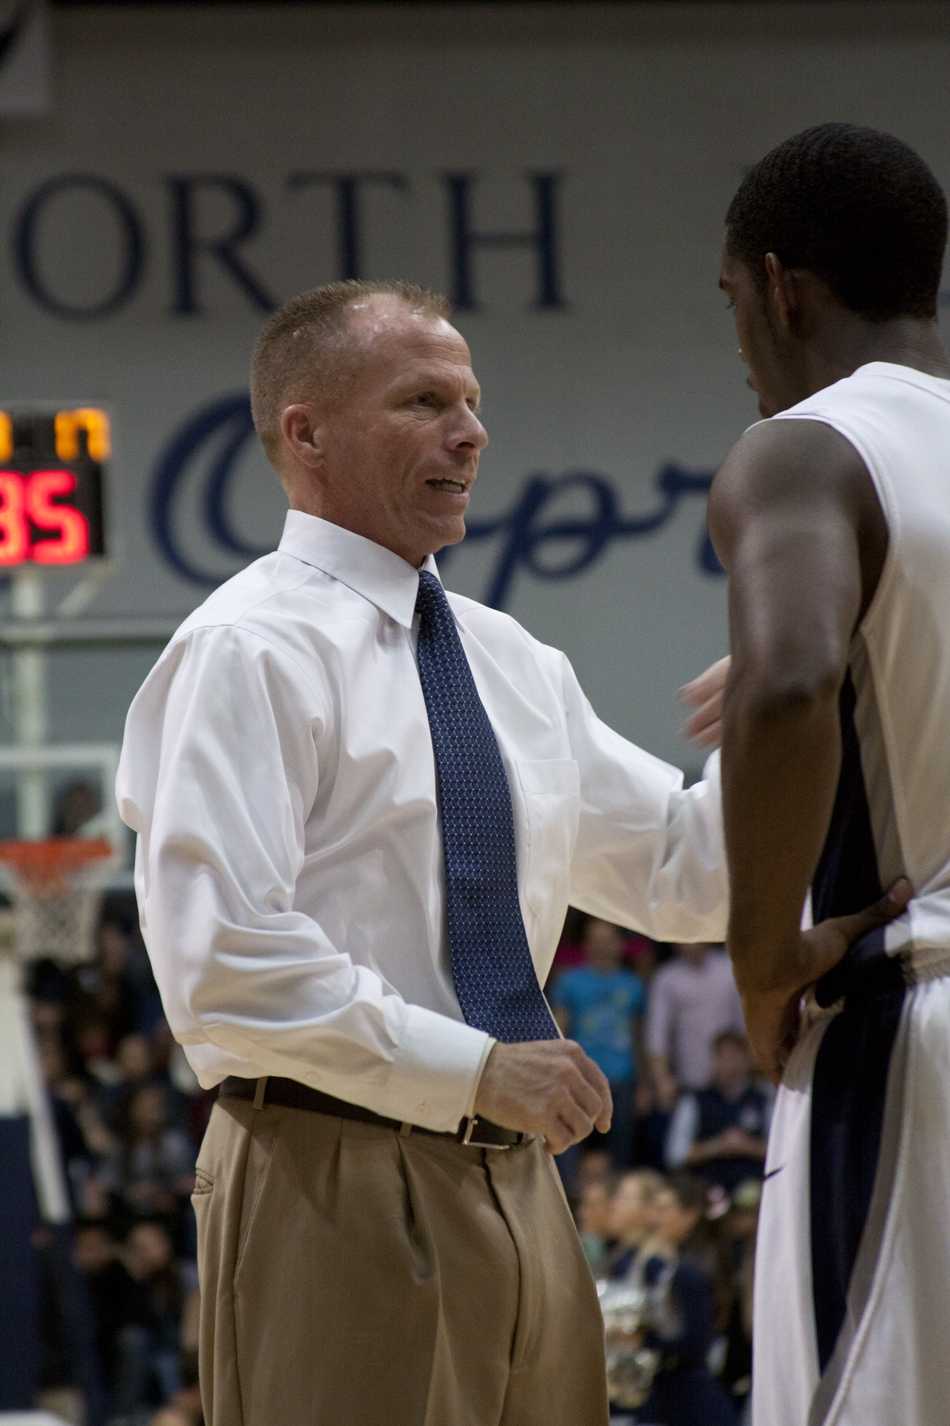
847, 877
847, 1113
850, 1076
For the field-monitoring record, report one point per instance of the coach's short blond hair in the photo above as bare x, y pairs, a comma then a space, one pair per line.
302, 352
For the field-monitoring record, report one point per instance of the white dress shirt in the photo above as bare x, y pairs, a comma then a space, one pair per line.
278, 770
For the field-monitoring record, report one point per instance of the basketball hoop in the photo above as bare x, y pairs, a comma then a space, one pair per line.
56, 887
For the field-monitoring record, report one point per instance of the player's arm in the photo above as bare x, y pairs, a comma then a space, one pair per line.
797, 526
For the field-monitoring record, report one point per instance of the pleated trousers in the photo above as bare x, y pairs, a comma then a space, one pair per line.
353, 1276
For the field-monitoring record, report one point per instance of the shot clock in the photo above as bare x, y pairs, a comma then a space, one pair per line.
53, 462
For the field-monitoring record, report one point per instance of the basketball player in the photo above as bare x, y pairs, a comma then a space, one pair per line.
832, 518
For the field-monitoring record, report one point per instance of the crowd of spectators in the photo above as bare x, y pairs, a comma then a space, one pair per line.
667, 1203
663, 1022
686, 1251
129, 1116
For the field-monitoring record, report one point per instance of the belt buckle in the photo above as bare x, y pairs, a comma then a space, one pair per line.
469, 1136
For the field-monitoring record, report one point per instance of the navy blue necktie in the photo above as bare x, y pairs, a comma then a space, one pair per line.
494, 975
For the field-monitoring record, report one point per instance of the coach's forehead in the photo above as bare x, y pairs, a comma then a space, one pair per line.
387, 319
384, 329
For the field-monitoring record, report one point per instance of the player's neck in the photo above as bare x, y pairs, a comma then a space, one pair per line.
903, 341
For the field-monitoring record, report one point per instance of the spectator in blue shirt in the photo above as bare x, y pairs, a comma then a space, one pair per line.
600, 1004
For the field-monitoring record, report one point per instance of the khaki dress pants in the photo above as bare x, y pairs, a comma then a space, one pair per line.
353, 1276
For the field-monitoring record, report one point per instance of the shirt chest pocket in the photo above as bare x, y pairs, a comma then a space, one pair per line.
550, 795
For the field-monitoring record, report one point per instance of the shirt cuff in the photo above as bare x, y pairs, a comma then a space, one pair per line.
489, 1046
437, 1070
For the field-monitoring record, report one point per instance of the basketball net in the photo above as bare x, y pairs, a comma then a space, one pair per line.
55, 888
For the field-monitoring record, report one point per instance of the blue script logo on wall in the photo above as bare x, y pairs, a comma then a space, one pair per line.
529, 536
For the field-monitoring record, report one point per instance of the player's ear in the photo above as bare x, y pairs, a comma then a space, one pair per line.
782, 290
301, 434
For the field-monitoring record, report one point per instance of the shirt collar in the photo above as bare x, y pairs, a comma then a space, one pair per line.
370, 570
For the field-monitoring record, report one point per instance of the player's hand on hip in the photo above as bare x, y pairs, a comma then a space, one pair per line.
825, 944
546, 1087
704, 696
772, 1015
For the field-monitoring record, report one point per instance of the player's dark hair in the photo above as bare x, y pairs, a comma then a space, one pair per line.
857, 207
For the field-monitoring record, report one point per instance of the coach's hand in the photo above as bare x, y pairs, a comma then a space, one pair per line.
704, 695
547, 1087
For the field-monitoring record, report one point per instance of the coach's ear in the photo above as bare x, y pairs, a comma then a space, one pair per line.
302, 435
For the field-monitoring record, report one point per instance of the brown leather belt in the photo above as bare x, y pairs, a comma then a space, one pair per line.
476, 1132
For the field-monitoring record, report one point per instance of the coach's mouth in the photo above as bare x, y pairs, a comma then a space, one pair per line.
451, 487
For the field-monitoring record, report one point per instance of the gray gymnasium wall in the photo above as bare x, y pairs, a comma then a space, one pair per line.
200, 164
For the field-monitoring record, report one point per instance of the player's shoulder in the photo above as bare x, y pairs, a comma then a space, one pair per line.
801, 449
800, 466
812, 440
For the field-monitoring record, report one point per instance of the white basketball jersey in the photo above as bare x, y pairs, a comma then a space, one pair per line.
892, 813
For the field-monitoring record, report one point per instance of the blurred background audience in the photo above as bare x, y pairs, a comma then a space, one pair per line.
129, 1116
721, 1131
599, 1002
